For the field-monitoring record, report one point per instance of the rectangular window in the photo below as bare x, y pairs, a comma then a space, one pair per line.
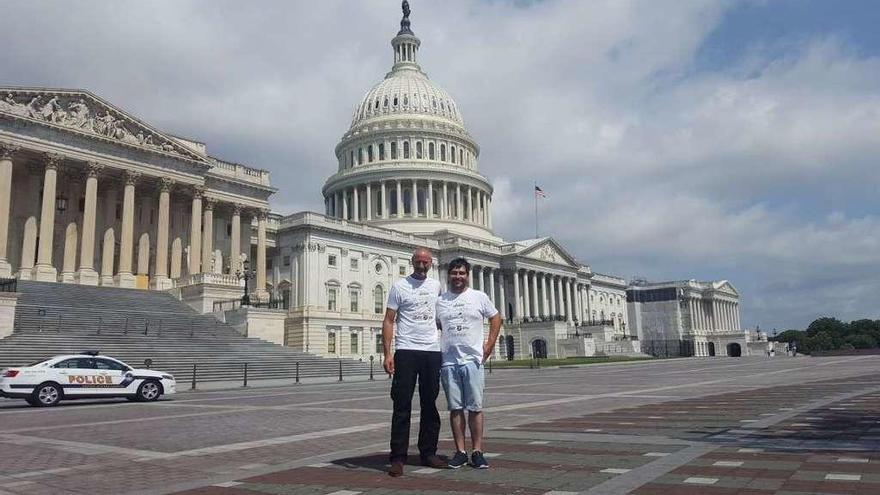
381, 151
331, 260
354, 344
82, 205
269, 263
331, 342
331, 299
286, 260
354, 300
402, 271
229, 230
379, 348
354, 264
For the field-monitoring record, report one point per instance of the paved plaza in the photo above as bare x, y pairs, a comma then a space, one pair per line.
688, 426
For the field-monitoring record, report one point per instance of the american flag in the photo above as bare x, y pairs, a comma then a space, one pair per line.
539, 193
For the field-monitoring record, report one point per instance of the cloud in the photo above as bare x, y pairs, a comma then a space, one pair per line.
759, 171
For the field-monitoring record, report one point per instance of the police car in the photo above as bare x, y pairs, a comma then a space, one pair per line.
82, 376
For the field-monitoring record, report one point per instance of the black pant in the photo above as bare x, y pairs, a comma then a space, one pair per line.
410, 366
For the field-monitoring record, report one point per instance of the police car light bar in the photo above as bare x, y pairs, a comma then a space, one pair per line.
91, 353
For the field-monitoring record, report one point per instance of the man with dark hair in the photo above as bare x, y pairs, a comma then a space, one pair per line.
460, 314
412, 304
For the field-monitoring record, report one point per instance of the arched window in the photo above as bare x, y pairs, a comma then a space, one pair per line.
461, 156
395, 101
442, 152
385, 103
377, 103
378, 300
405, 100
419, 150
351, 159
430, 151
360, 156
394, 150
370, 156
406, 150
381, 151
442, 106
434, 103
452, 153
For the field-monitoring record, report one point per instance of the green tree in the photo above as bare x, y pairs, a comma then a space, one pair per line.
831, 326
861, 341
791, 336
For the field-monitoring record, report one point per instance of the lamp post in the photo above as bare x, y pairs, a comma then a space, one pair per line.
245, 273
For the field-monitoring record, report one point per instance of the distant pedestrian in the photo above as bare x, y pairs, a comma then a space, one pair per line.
410, 321
460, 314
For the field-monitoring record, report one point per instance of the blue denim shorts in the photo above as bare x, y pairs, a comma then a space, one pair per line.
463, 385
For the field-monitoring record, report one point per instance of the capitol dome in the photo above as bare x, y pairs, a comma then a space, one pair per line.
407, 162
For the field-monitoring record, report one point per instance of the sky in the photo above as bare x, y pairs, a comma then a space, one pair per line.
675, 139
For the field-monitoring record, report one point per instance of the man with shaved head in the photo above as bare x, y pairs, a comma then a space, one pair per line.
410, 322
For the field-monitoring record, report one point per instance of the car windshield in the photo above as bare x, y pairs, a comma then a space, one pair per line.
38, 363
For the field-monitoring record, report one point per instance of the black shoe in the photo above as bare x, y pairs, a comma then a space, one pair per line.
458, 460
478, 461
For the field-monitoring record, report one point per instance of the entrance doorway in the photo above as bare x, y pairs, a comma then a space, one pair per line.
711, 348
539, 349
734, 350
508, 344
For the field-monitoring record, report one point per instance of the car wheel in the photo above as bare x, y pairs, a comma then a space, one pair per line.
47, 394
149, 391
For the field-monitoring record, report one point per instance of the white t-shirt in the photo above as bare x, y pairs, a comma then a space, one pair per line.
416, 304
461, 318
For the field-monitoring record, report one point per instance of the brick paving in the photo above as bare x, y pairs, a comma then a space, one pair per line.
744, 426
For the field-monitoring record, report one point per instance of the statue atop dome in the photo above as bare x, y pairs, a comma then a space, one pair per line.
404, 23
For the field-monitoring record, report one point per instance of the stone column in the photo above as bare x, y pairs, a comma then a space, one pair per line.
345, 205
356, 204
492, 287
160, 278
399, 200
488, 211
527, 306
7, 151
337, 204
195, 232
43, 270
470, 206
429, 201
544, 299
535, 305
569, 288
576, 294
552, 289
560, 309
458, 212
369, 202
517, 303
444, 276
125, 277
208, 235
260, 289
502, 303
384, 200
87, 274
414, 200
235, 241
444, 203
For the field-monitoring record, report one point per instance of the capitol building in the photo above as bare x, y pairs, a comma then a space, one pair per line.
93, 195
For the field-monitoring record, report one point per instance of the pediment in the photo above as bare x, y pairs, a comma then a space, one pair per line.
725, 286
549, 251
82, 112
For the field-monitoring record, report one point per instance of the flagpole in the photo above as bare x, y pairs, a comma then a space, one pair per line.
535, 193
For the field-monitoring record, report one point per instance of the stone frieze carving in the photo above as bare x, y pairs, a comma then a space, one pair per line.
79, 113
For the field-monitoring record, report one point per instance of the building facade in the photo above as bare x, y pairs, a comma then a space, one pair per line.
406, 175
91, 195
687, 318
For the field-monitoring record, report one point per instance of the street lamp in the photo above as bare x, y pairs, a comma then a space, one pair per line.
245, 273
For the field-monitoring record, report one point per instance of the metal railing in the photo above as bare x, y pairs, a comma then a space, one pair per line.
233, 304
105, 324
